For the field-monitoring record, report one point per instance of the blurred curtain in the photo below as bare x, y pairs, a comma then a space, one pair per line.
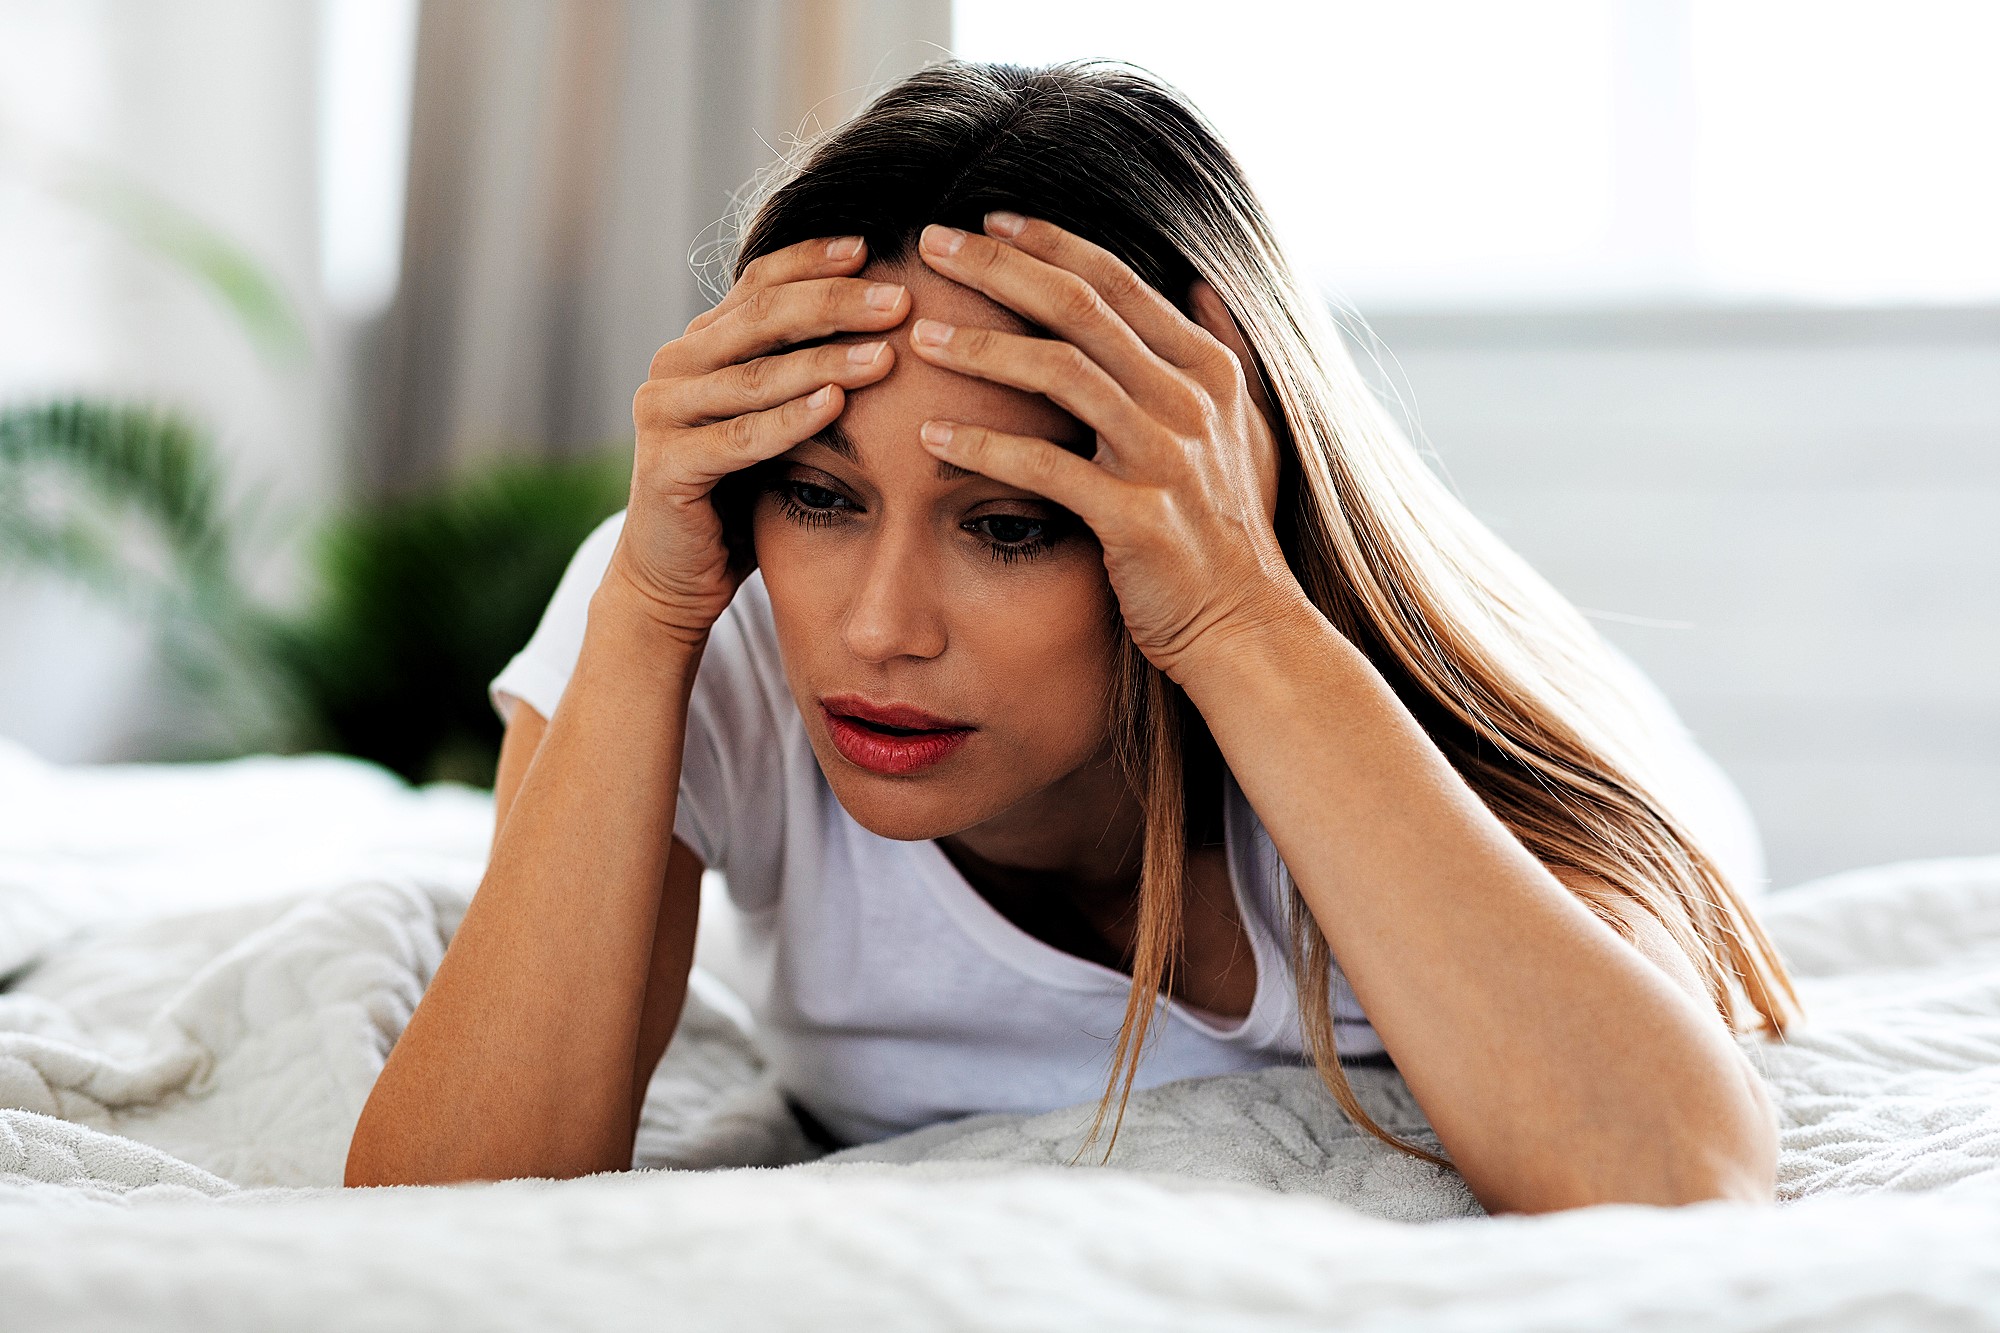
570, 162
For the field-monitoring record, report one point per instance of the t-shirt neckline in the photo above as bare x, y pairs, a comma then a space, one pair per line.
1043, 962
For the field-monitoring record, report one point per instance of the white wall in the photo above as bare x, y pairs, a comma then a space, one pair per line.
1815, 497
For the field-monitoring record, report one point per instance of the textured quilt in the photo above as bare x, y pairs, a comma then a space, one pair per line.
206, 967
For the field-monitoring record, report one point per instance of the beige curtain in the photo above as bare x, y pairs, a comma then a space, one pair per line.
570, 163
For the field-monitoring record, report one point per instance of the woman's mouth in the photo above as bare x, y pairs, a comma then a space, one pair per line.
882, 747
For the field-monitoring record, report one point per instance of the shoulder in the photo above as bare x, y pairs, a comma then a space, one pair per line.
742, 657
593, 556
539, 672
746, 756
742, 705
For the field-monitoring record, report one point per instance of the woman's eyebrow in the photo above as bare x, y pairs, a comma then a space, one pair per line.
836, 439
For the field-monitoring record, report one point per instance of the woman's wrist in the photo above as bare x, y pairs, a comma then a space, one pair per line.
622, 619
1265, 634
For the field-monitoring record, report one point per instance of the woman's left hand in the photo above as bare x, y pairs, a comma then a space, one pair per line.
1182, 491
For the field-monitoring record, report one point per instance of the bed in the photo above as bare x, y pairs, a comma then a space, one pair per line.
204, 967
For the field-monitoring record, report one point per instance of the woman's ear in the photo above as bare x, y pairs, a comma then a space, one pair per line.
1210, 312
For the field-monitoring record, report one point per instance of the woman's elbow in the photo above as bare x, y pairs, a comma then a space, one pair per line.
387, 1149
368, 1164
1747, 1171
362, 1175
1735, 1161
1732, 1156
1727, 1151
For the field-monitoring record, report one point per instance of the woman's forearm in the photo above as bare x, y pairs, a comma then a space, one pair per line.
519, 1061
1558, 1065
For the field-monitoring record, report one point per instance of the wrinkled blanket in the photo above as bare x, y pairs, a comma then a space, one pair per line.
192, 1025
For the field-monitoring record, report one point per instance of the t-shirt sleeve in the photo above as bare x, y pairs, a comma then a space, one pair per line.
538, 674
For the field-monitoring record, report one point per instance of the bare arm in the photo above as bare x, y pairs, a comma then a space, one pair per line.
522, 1058
680, 902
1560, 1065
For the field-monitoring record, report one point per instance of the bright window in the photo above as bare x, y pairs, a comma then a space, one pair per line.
1462, 152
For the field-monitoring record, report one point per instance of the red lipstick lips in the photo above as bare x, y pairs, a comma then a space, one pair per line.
891, 739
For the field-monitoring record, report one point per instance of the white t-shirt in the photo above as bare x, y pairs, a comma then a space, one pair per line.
886, 992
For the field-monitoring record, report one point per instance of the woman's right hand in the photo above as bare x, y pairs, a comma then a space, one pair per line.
721, 397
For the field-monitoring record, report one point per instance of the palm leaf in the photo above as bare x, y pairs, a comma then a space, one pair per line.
419, 601
127, 498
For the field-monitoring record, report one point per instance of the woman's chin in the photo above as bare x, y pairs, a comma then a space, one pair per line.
910, 808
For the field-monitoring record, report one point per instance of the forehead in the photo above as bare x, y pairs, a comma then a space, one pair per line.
890, 410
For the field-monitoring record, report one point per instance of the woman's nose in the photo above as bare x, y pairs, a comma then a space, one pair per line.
894, 611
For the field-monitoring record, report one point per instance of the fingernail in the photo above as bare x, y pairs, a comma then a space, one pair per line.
884, 295
843, 247
931, 332
942, 240
865, 354
820, 395
936, 432
1005, 223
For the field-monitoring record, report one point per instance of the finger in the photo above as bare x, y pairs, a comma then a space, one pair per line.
1172, 335
818, 257
814, 258
793, 312
750, 386
1038, 466
702, 457
1212, 314
1063, 301
1059, 371
1265, 453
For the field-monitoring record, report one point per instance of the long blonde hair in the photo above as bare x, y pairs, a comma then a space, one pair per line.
1507, 678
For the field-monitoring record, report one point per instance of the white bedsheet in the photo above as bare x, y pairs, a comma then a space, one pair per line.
230, 950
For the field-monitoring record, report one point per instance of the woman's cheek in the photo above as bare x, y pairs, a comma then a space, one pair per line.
787, 552
1054, 644
806, 585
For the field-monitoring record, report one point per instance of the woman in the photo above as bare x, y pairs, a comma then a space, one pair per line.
1044, 628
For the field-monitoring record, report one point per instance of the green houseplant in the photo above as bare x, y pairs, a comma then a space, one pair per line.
417, 601
423, 599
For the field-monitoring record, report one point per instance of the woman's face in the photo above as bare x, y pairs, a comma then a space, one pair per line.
974, 601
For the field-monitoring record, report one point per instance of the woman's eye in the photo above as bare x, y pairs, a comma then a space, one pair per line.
1016, 536
1011, 529
1007, 536
814, 497
806, 503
